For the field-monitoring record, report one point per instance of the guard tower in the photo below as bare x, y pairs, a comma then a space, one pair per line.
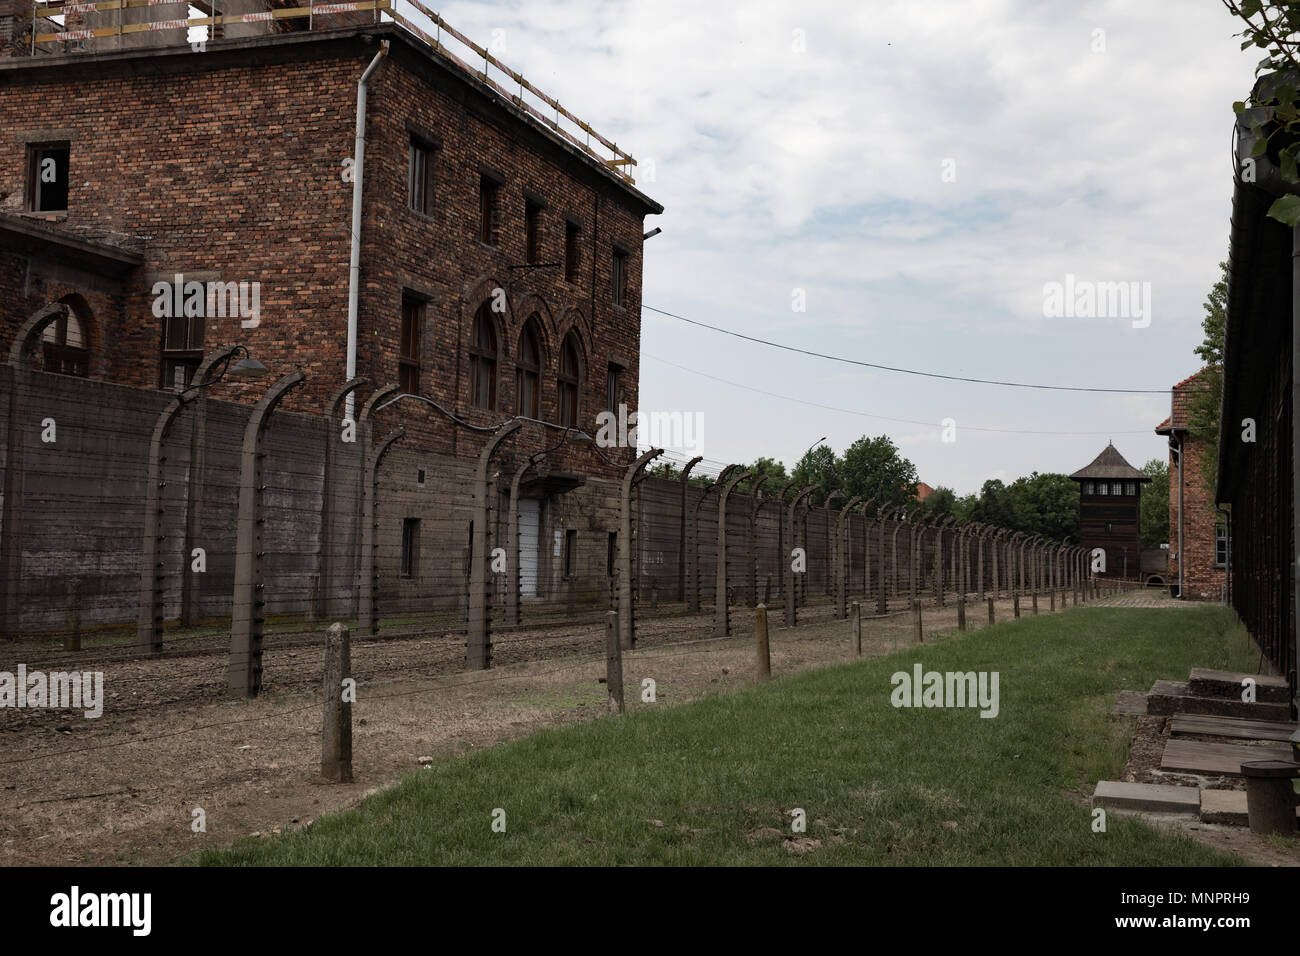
1110, 511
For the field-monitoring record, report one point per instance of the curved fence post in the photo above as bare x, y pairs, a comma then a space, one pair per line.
721, 609
478, 647
626, 586
842, 553
684, 478
368, 616
754, 509
244, 675
792, 592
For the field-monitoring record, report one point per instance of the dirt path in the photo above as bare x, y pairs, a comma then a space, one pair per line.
123, 788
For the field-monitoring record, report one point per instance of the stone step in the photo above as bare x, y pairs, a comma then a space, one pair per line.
1205, 682
1183, 725
1130, 703
1169, 697
1197, 756
1148, 797
1226, 806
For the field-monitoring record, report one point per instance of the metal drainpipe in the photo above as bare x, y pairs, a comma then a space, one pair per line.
354, 266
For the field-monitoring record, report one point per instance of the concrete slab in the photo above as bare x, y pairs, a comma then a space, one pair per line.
1205, 682
1151, 797
1224, 806
1236, 727
1130, 703
1196, 756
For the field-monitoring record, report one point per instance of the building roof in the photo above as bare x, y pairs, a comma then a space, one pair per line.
923, 491
32, 236
1110, 464
1181, 400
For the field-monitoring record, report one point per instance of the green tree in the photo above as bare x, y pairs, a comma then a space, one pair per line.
774, 470
1206, 396
1155, 504
818, 466
873, 468
1271, 108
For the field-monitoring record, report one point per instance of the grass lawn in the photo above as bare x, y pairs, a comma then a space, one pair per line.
707, 782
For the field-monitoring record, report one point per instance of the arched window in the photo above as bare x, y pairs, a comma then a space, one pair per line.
567, 379
528, 370
66, 349
483, 361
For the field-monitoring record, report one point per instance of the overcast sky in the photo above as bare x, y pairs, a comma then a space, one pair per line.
804, 146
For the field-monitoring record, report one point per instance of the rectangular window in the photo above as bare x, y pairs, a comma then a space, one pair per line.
47, 177
613, 387
489, 194
532, 231
620, 277
182, 349
410, 546
408, 359
1130, 488
1089, 488
1220, 545
1103, 487
571, 252
420, 179
570, 548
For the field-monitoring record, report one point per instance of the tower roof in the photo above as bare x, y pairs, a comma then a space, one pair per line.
1110, 464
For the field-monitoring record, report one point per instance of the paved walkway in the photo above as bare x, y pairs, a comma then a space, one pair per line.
1145, 597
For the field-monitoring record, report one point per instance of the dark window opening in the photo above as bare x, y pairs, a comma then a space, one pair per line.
483, 361
420, 178
570, 548
528, 372
532, 231
408, 355
182, 349
66, 350
47, 177
620, 277
1220, 546
419, 476
614, 387
410, 546
571, 252
567, 382
489, 194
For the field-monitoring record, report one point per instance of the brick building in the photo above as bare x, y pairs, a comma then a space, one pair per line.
1110, 511
1198, 537
500, 256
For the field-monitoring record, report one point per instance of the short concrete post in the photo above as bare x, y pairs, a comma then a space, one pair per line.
72, 639
857, 629
764, 651
1035, 601
1015, 605
961, 610
992, 618
613, 663
1052, 596
336, 724
916, 621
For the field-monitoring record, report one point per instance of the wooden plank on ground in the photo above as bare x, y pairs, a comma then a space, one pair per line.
1195, 756
1207, 725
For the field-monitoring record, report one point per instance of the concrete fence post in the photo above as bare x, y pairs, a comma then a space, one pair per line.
626, 549
791, 588
916, 621
72, 639
721, 601
842, 552
336, 722
248, 602
756, 505
368, 614
683, 539
478, 646
327, 560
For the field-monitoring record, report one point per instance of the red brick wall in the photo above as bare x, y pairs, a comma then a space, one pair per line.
1202, 580
220, 166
